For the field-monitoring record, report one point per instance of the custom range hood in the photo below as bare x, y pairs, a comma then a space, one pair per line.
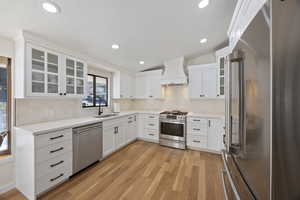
174, 72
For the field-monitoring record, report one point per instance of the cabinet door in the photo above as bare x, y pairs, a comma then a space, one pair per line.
195, 83
214, 135
108, 140
221, 84
153, 89
140, 87
75, 77
120, 139
43, 72
209, 82
126, 86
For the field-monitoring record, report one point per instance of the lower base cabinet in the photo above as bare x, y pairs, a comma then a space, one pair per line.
118, 132
205, 133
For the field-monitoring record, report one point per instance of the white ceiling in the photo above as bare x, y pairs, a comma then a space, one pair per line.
149, 30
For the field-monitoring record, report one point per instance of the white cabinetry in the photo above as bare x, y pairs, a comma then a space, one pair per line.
74, 76
43, 161
149, 127
205, 133
147, 85
41, 72
222, 61
203, 81
123, 86
118, 132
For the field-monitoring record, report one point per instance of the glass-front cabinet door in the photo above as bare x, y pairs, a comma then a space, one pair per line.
43, 72
75, 77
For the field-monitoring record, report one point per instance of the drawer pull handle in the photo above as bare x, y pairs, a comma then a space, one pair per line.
151, 117
151, 134
196, 129
53, 179
60, 162
151, 124
53, 151
197, 141
196, 120
129, 122
53, 138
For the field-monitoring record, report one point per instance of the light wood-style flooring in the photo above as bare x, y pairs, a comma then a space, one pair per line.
143, 171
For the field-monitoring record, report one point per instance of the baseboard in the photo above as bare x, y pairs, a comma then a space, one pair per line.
7, 187
148, 140
202, 149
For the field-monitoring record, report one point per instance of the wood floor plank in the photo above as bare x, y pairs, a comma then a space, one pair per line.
143, 171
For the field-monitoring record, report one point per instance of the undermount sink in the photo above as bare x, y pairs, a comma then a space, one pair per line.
107, 115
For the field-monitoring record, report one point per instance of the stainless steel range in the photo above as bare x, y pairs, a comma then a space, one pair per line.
173, 129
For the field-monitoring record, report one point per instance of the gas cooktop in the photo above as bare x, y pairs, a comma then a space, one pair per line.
174, 112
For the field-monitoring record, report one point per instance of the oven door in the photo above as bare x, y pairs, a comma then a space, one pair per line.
172, 130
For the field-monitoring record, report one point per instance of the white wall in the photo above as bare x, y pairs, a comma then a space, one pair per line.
7, 169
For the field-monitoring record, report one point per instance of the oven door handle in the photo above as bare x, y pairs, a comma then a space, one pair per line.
172, 122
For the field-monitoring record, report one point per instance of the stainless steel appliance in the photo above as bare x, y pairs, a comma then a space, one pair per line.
173, 129
247, 171
261, 160
87, 146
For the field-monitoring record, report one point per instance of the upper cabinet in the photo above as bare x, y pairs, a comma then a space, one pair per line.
41, 72
222, 61
147, 85
203, 81
144, 85
123, 86
74, 77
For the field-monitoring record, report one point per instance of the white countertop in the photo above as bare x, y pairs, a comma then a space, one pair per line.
192, 114
41, 128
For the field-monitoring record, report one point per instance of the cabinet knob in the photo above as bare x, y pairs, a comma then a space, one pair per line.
60, 94
65, 94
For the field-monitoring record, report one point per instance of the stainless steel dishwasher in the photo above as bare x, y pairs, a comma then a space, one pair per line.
87, 146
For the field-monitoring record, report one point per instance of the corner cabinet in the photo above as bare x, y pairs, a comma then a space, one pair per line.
203, 81
148, 86
41, 72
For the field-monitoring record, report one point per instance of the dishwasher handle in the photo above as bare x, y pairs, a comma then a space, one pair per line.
81, 129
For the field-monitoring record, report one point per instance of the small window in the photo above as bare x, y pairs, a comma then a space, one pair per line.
97, 91
5, 105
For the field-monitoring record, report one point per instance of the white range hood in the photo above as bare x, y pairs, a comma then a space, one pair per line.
174, 72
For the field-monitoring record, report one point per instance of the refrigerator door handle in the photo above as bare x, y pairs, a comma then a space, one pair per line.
236, 194
223, 172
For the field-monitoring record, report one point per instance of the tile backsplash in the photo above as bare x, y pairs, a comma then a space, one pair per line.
29, 111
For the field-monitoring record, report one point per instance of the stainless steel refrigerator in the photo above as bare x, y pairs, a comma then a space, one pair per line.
261, 160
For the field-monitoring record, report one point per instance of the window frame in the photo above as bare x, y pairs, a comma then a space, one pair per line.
94, 91
9, 107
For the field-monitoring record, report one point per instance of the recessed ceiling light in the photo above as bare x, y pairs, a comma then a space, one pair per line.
203, 3
204, 40
142, 62
51, 7
115, 46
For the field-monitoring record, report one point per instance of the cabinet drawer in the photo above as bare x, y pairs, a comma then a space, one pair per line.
53, 138
46, 182
113, 122
53, 164
151, 134
151, 124
52, 151
197, 130
196, 121
197, 141
150, 116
